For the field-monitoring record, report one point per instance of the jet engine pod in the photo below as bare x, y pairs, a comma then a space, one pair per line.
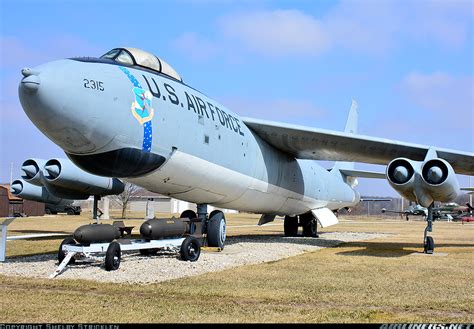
401, 176
31, 171
439, 180
63, 174
32, 192
96, 233
161, 228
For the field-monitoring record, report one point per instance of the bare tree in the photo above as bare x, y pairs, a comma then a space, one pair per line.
123, 198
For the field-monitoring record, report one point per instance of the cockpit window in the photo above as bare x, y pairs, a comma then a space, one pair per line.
134, 56
124, 57
111, 54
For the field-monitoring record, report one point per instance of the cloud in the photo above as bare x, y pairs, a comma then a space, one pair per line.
440, 93
365, 27
274, 110
195, 47
277, 32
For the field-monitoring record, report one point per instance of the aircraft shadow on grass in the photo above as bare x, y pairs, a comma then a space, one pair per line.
391, 249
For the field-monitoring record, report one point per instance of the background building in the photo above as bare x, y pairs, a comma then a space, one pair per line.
11, 205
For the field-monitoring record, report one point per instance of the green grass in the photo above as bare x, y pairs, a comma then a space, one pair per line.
382, 280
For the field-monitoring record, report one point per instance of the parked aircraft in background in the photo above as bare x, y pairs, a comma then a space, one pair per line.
411, 210
128, 114
448, 211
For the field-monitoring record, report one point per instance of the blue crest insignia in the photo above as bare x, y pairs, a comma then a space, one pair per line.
141, 107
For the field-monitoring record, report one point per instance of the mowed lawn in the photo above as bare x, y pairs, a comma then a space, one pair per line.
382, 280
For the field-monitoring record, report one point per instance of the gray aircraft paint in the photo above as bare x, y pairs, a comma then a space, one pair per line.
232, 170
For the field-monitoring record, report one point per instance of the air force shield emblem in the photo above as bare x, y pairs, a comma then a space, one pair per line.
141, 107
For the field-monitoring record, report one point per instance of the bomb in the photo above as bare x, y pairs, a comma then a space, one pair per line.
96, 233
161, 228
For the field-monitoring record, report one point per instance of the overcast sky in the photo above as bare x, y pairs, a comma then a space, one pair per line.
408, 64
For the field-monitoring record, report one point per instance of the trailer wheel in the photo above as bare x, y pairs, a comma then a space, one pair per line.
112, 257
190, 249
62, 254
216, 230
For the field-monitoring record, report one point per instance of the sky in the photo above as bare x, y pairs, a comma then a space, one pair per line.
409, 64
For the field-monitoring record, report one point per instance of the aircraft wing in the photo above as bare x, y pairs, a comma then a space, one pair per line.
320, 144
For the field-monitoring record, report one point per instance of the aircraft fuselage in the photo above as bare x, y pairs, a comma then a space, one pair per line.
167, 137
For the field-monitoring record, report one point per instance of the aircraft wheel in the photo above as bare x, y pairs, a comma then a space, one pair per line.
429, 245
310, 229
47, 211
70, 212
112, 257
290, 226
216, 229
62, 254
190, 249
188, 214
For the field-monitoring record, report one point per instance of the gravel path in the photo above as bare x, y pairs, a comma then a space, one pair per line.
135, 268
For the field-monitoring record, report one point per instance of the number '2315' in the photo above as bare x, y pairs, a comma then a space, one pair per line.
93, 84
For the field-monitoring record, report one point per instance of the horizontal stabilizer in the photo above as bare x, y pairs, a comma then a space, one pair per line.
469, 190
325, 217
362, 173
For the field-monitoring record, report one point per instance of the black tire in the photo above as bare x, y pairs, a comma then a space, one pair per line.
113, 256
62, 254
309, 226
290, 226
70, 212
190, 249
429, 245
188, 214
47, 211
216, 230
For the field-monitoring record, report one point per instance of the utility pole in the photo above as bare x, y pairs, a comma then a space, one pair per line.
11, 173
470, 194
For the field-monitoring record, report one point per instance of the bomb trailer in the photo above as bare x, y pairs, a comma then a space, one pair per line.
181, 235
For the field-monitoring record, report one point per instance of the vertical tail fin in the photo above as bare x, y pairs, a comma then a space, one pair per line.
351, 128
352, 119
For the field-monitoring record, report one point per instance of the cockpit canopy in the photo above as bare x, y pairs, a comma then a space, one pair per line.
138, 57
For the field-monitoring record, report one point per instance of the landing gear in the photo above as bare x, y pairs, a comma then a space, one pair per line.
290, 226
306, 221
310, 227
214, 225
428, 242
216, 229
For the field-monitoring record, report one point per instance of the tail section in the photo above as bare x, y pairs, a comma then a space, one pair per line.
351, 128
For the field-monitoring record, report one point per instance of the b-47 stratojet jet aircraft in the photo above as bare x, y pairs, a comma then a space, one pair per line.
128, 114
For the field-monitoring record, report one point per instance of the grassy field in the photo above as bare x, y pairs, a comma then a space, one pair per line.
382, 280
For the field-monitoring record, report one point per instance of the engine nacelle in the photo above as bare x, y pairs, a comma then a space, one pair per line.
62, 174
423, 182
439, 180
31, 171
401, 174
25, 190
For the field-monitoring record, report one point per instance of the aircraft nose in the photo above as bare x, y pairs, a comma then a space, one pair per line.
53, 97
31, 81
